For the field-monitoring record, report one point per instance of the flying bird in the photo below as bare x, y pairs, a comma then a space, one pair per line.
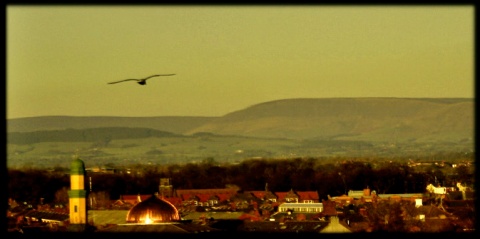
142, 81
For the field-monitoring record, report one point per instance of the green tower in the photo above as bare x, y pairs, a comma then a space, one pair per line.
77, 196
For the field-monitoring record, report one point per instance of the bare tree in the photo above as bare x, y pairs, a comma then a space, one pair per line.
61, 196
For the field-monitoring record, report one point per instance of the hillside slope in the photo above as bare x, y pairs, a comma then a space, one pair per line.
361, 119
370, 119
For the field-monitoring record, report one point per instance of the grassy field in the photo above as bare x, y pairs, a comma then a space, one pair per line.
148, 151
223, 149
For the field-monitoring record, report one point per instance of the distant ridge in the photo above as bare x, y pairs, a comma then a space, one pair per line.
369, 119
103, 134
361, 119
173, 124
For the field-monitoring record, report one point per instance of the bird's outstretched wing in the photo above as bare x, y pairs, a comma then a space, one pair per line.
140, 80
115, 82
157, 75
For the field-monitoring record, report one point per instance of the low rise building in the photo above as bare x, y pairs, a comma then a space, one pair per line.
301, 207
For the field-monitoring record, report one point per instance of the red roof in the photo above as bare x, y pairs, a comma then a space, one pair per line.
187, 196
128, 197
308, 195
302, 195
173, 200
203, 197
258, 194
224, 196
215, 191
281, 195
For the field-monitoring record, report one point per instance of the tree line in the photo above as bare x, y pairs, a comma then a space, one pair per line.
85, 135
332, 177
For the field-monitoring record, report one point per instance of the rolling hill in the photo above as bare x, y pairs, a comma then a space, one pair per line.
173, 124
363, 119
369, 119
342, 127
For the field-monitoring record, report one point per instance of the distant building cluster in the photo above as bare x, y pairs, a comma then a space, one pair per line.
194, 210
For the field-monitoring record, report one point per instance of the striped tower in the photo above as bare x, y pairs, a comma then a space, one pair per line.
77, 196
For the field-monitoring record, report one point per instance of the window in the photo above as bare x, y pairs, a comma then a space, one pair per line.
75, 208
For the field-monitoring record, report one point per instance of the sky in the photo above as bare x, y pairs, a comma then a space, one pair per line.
227, 58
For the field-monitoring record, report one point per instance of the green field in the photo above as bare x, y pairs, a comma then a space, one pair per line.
223, 149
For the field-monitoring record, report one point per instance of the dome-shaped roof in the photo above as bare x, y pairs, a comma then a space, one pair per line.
153, 210
77, 167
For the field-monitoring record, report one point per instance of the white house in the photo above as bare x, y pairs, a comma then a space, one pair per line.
301, 207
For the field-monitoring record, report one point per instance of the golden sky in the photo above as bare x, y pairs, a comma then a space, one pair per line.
226, 58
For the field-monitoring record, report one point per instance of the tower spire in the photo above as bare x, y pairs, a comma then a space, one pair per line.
77, 196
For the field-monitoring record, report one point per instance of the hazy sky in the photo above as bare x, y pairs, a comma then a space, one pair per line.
226, 58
